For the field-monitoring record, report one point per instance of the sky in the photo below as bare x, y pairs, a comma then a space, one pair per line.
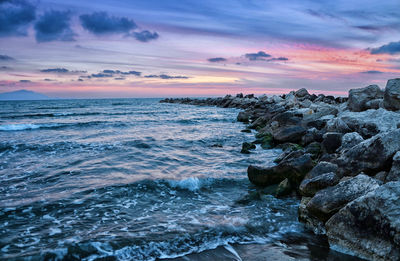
176, 48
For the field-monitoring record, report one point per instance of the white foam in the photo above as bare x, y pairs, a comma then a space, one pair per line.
18, 127
191, 184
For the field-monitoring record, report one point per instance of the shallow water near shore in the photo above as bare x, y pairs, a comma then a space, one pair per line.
134, 179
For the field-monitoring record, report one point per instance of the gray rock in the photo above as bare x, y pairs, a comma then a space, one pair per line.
350, 140
359, 97
314, 148
373, 104
289, 134
246, 147
309, 221
261, 176
330, 200
391, 99
301, 93
321, 168
243, 116
370, 225
309, 187
370, 156
381, 176
394, 173
331, 141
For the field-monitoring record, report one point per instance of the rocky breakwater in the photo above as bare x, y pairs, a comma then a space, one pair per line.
340, 155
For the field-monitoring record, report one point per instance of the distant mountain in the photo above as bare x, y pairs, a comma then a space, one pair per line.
22, 95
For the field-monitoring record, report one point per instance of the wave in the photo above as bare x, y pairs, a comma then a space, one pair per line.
24, 127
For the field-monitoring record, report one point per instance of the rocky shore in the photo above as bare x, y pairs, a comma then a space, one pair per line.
340, 155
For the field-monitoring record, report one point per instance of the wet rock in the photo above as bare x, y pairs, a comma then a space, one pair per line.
330, 200
359, 97
289, 134
394, 173
265, 139
246, 147
370, 225
332, 141
309, 221
284, 188
370, 156
381, 176
243, 116
309, 187
261, 176
246, 131
293, 167
373, 104
314, 149
391, 99
322, 167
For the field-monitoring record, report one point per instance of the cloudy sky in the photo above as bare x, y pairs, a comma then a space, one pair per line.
157, 48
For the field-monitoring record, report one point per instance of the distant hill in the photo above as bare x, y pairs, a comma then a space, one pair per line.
22, 95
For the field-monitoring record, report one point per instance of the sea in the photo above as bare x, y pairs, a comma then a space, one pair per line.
135, 179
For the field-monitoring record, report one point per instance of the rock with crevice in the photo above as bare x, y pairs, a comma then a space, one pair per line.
370, 225
359, 97
391, 100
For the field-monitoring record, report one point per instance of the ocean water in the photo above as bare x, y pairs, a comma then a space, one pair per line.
135, 179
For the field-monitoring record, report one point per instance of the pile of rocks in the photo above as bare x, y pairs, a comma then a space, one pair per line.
341, 155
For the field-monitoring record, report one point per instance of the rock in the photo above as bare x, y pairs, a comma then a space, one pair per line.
394, 173
301, 93
370, 225
293, 167
243, 116
359, 97
284, 188
264, 176
246, 130
309, 187
381, 176
331, 141
370, 156
391, 100
265, 139
321, 168
330, 200
373, 104
309, 221
289, 134
350, 140
246, 147
314, 149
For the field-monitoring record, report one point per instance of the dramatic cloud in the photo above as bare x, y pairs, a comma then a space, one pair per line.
55, 70
5, 58
49, 80
15, 16
54, 26
145, 36
4, 68
166, 77
101, 23
24, 81
260, 56
217, 60
372, 72
390, 48
278, 59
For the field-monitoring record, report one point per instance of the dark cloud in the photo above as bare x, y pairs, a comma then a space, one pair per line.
80, 80
390, 48
372, 72
55, 70
54, 26
24, 81
260, 56
145, 36
119, 78
101, 23
4, 68
102, 75
136, 73
166, 77
5, 58
278, 59
15, 16
217, 60
49, 80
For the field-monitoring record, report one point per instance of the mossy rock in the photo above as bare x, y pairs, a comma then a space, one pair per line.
246, 147
265, 139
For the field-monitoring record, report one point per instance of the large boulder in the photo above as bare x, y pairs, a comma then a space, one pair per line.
370, 156
391, 99
359, 97
322, 167
370, 225
301, 93
330, 200
263, 177
349, 140
331, 141
244, 116
309, 187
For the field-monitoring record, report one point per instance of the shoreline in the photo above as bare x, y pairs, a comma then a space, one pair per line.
340, 155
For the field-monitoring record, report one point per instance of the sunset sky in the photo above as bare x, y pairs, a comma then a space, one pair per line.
158, 48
